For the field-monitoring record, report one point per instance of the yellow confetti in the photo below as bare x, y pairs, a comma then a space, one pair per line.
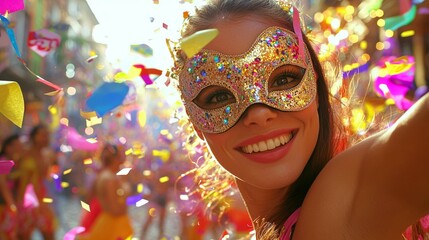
93, 121
129, 151
408, 33
164, 179
194, 43
87, 161
85, 206
47, 200
141, 117
88, 115
163, 154
12, 102
67, 171
140, 188
65, 184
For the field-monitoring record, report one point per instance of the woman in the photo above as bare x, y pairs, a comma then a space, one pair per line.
35, 169
113, 221
258, 97
11, 149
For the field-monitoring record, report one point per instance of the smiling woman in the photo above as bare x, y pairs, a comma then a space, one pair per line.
258, 98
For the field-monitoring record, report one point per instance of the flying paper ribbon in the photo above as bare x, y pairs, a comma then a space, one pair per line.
9, 6
107, 97
77, 141
396, 22
146, 72
195, 42
12, 102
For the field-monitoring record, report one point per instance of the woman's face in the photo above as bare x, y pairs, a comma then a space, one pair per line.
267, 148
14, 150
42, 138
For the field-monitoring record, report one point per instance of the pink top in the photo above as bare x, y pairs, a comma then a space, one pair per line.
290, 222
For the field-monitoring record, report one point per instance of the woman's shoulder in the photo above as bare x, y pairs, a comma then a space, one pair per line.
330, 200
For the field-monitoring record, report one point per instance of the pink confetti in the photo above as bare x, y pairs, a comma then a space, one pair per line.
71, 235
11, 6
30, 198
6, 166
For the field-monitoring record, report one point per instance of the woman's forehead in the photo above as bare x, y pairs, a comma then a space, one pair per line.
238, 33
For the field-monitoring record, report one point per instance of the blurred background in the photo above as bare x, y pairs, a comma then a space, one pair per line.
85, 46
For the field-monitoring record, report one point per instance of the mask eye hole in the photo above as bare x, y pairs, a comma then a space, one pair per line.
285, 77
213, 97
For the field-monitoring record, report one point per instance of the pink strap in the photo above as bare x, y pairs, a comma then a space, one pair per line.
293, 218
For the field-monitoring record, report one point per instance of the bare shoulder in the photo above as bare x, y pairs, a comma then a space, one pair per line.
328, 206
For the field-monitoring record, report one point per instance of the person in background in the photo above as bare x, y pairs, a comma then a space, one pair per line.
113, 221
35, 171
11, 149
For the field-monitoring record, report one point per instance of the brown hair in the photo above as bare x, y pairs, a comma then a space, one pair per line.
328, 139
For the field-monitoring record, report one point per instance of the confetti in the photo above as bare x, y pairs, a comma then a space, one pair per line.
90, 59
195, 42
9, 6
71, 235
47, 200
107, 97
65, 184
164, 179
6, 166
65, 172
141, 202
12, 102
124, 171
140, 188
30, 198
87, 161
85, 206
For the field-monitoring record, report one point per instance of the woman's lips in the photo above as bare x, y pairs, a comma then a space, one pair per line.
268, 148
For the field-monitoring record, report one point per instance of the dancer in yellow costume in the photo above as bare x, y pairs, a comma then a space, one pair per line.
113, 221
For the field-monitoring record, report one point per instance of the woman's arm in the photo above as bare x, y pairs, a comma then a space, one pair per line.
394, 179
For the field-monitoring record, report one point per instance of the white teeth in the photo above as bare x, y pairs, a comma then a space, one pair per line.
268, 144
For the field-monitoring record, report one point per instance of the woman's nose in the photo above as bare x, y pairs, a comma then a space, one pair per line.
259, 115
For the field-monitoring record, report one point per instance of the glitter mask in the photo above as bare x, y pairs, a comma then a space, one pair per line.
246, 77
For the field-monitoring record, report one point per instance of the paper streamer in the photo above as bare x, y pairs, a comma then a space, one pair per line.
197, 41
10, 6
360, 69
396, 22
6, 166
76, 141
146, 72
12, 39
10, 34
12, 102
107, 97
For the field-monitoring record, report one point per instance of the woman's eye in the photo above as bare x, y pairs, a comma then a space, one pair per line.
214, 97
286, 77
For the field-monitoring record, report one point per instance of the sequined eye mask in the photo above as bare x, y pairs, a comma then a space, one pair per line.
247, 78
